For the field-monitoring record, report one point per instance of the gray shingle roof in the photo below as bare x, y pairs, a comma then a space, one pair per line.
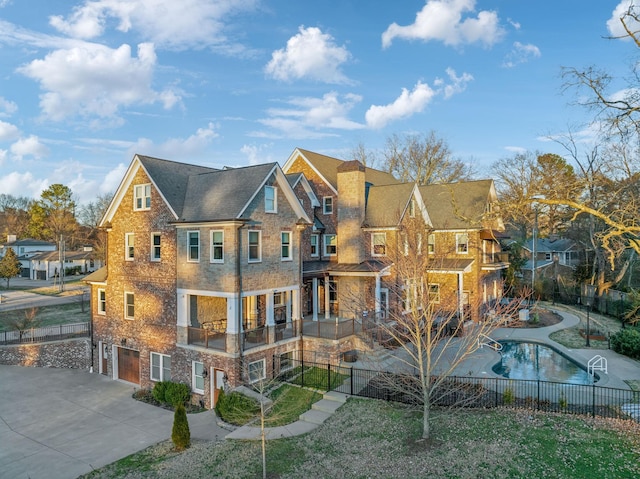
457, 205
386, 204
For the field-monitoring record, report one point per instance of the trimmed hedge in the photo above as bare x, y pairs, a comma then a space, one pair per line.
173, 394
627, 342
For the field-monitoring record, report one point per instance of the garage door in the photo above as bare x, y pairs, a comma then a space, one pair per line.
129, 365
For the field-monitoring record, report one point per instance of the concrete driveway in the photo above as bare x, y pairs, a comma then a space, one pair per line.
61, 423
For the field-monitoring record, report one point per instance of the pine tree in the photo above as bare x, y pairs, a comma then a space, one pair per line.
180, 435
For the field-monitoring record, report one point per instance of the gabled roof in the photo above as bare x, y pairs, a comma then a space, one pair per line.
459, 205
30, 242
68, 255
201, 194
327, 168
98, 276
386, 205
549, 245
295, 179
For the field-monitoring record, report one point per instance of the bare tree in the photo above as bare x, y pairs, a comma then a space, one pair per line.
432, 338
424, 159
25, 322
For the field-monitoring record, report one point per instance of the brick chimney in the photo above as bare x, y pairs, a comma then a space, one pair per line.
351, 204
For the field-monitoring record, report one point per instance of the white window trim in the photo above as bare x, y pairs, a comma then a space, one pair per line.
264, 371
429, 243
275, 199
162, 357
194, 376
324, 205
317, 245
129, 255
282, 244
374, 244
211, 259
126, 312
259, 259
436, 285
280, 298
325, 244
154, 246
189, 258
102, 303
143, 197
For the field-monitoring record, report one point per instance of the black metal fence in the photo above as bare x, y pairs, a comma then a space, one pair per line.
462, 391
47, 333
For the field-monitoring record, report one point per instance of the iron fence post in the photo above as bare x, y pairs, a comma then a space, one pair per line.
538, 401
593, 401
328, 377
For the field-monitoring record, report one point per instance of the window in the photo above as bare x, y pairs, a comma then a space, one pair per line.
257, 371
419, 243
142, 197
197, 377
160, 367
404, 237
434, 293
193, 246
314, 245
217, 246
129, 240
333, 291
278, 299
431, 243
285, 245
270, 199
102, 301
255, 249
129, 305
378, 244
462, 243
155, 246
330, 245
327, 205
412, 208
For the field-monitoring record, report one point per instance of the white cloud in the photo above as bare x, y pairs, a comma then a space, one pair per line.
94, 80
458, 83
515, 149
521, 53
441, 20
22, 184
7, 108
255, 155
8, 131
404, 106
30, 146
167, 23
112, 179
177, 148
306, 116
309, 54
614, 25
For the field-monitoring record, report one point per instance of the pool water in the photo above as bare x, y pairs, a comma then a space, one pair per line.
537, 361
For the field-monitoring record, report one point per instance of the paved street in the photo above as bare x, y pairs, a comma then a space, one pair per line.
19, 299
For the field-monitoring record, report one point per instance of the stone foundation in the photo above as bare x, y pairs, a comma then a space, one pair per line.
69, 354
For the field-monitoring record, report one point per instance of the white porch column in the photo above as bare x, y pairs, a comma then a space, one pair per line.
269, 316
314, 296
183, 309
460, 296
378, 299
233, 326
327, 301
293, 305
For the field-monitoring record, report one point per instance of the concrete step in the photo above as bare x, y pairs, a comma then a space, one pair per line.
336, 396
327, 405
314, 416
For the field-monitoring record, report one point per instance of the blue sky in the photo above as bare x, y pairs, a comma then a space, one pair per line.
86, 85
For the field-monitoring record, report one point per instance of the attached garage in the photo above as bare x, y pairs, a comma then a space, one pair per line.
129, 365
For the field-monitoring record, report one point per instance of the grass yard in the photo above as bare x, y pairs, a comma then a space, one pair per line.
368, 438
49, 315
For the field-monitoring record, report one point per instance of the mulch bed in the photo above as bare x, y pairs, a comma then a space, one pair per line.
545, 318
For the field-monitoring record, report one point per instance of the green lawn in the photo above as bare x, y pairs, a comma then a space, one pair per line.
49, 315
368, 438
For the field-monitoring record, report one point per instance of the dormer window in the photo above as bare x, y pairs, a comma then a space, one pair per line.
142, 197
270, 199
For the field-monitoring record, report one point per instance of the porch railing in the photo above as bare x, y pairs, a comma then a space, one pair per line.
207, 338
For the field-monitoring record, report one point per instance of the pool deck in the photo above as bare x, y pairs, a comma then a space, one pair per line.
620, 368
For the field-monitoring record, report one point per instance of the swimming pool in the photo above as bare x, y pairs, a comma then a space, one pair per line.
522, 360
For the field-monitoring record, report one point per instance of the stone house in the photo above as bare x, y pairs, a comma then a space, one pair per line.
363, 212
202, 283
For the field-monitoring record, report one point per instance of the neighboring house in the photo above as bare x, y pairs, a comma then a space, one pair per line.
202, 283
360, 212
26, 249
48, 265
554, 256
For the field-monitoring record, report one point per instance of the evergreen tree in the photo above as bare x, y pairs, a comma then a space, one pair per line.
9, 265
180, 435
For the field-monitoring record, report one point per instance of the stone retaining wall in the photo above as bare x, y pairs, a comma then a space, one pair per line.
69, 354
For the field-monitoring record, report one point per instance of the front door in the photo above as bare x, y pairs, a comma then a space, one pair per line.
129, 365
104, 356
216, 384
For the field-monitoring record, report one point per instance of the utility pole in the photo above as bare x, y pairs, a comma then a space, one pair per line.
61, 260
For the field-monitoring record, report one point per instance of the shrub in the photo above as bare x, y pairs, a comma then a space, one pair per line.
167, 392
236, 408
627, 342
507, 396
180, 434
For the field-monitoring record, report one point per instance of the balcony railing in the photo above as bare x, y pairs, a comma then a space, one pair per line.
252, 338
495, 258
207, 338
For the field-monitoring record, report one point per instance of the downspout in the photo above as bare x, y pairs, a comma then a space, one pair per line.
239, 298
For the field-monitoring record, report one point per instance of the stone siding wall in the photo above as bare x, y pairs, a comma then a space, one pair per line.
69, 354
